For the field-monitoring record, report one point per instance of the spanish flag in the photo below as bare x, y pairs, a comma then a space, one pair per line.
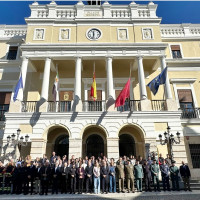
93, 91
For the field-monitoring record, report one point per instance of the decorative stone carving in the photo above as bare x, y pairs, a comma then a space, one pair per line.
122, 34
39, 34
65, 34
147, 33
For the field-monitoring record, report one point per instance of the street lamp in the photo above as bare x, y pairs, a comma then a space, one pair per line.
19, 142
169, 140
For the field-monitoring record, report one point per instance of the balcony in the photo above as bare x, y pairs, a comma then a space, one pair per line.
3, 108
92, 106
190, 113
59, 106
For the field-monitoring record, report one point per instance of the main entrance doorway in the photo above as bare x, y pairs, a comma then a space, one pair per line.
94, 145
61, 146
58, 141
126, 145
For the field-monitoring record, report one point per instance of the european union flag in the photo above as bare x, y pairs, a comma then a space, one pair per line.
18, 95
157, 81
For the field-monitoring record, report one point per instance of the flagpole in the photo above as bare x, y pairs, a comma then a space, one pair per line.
57, 93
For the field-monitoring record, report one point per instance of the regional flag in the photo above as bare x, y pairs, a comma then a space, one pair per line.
55, 90
93, 91
18, 94
124, 94
157, 81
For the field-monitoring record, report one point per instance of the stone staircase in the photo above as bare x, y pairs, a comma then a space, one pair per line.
195, 184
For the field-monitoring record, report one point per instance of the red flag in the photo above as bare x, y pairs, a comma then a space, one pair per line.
125, 93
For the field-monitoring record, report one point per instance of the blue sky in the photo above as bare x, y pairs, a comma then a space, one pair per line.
14, 12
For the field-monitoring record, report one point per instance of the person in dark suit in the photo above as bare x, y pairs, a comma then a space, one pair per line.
53, 158
45, 177
147, 176
81, 175
17, 182
105, 176
185, 174
164, 168
24, 176
38, 178
89, 174
31, 176
73, 178
64, 178
55, 174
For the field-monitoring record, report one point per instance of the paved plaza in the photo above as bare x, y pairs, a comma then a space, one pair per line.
195, 195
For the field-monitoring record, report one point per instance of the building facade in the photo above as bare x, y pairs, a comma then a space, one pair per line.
121, 41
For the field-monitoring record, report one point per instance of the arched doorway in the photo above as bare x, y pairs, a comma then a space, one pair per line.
61, 146
94, 145
131, 141
58, 141
94, 141
126, 145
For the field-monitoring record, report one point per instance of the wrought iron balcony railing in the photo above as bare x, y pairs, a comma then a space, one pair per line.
190, 113
59, 106
94, 105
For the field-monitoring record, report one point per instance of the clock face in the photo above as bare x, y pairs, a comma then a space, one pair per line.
94, 34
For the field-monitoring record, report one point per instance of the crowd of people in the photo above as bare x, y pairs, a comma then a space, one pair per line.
90, 175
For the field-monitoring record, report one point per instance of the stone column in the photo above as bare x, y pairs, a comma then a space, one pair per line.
110, 86
38, 147
145, 104
113, 148
45, 86
16, 106
170, 103
77, 103
46, 77
75, 147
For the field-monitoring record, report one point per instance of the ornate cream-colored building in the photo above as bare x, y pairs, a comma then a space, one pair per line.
117, 39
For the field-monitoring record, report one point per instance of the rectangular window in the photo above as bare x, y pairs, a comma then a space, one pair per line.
4, 104
12, 53
186, 103
195, 154
176, 51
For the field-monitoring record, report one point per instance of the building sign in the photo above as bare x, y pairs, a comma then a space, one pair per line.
93, 14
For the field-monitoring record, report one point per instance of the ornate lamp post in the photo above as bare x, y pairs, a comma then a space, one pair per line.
17, 143
169, 140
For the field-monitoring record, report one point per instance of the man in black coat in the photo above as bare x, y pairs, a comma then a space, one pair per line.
24, 178
38, 178
89, 174
45, 177
17, 182
105, 177
31, 176
185, 174
64, 177
55, 172
147, 176
72, 173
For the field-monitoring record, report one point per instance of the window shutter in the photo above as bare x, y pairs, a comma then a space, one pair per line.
5, 97
185, 95
117, 92
175, 47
